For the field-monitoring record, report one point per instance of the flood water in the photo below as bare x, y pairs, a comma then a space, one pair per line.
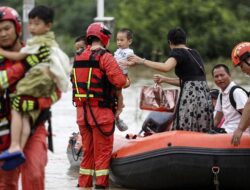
59, 174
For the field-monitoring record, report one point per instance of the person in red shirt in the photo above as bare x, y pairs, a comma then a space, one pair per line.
10, 73
95, 76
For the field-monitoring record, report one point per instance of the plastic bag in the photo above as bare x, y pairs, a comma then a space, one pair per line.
156, 98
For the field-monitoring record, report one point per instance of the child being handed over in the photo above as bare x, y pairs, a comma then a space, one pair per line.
124, 39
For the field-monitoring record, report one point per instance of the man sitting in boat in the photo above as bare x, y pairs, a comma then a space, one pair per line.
228, 93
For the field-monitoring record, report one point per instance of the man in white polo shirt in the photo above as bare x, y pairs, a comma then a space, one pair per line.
224, 107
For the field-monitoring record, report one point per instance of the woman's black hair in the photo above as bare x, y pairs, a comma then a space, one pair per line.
177, 36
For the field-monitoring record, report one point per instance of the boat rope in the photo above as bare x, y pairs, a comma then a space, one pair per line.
216, 171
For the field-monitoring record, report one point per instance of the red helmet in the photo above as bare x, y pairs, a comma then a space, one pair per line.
100, 31
240, 52
8, 13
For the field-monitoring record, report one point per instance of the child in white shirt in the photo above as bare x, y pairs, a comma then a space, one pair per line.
124, 39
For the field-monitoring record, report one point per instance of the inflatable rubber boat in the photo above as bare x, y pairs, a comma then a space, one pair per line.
155, 122
181, 160
174, 159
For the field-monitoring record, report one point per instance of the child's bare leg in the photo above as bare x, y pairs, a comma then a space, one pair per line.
120, 104
26, 131
16, 130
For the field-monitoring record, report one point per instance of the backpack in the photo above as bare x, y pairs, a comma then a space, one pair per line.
231, 97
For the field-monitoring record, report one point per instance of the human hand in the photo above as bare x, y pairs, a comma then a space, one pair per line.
236, 137
117, 113
41, 56
123, 64
158, 78
128, 82
25, 103
134, 59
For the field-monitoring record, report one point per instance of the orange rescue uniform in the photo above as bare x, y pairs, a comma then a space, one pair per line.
35, 150
94, 127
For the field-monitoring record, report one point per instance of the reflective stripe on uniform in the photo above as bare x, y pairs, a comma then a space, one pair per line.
3, 80
84, 95
4, 126
89, 78
4, 121
4, 132
74, 74
101, 172
78, 95
86, 171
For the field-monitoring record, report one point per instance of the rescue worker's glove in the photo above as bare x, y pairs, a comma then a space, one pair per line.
34, 59
25, 103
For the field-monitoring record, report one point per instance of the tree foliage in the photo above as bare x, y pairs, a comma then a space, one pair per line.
213, 27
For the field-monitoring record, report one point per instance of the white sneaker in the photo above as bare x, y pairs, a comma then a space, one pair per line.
121, 125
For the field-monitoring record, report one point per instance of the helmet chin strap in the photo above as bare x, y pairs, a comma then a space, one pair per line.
247, 62
245, 57
13, 44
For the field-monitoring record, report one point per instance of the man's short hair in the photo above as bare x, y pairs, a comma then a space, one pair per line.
223, 66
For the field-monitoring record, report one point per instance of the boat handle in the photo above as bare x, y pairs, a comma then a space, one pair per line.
216, 169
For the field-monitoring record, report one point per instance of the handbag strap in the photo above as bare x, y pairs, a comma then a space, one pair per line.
200, 66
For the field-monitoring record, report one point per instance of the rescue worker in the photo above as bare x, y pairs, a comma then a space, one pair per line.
241, 57
95, 76
33, 170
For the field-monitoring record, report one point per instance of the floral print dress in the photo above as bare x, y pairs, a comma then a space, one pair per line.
195, 110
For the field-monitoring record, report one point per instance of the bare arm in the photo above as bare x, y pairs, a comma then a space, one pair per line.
244, 123
163, 67
170, 80
16, 56
217, 118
